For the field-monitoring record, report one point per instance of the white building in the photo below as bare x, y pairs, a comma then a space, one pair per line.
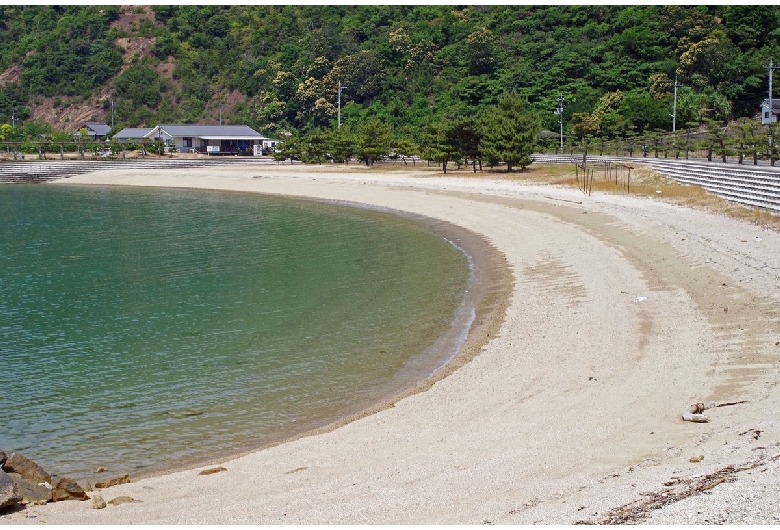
770, 115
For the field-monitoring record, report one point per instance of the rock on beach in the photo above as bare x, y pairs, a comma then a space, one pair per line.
25, 467
9, 491
32, 492
66, 489
24, 481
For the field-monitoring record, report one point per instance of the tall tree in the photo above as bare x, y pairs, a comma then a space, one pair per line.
374, 141
509, 133
435, 144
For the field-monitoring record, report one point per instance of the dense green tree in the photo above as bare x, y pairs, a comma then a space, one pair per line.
342, 143
464, 135
509, 133
747, 138
314, 147
291, 148
140, 85
374, 140
435, 143
404, 148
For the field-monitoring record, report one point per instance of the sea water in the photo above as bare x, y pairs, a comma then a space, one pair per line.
144, 329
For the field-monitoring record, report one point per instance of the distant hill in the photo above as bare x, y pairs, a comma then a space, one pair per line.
279, 68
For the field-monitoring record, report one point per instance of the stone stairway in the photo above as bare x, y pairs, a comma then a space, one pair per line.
757, 186
753, 186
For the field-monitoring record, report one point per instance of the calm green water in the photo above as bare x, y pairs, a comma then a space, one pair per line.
142, 329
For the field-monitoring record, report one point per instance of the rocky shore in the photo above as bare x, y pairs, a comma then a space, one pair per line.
24, 483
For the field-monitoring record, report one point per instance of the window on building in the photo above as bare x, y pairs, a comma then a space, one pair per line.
187, 142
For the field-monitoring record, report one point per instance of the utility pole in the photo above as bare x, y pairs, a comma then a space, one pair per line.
339, 103
674, 105
112, 113
559, 112
13, 116
771, 68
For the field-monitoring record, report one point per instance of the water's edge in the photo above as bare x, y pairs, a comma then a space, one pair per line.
489, 294
478, 319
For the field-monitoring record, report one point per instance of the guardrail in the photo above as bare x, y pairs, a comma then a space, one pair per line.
749, 185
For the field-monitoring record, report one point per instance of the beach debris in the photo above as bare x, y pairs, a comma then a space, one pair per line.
32, 492
98, 502
122, 499
696, 459
9, 491
212, 470
677, 489
66, 489
124, 479
730, 403
22, 465
100, 469
641, 298
755, 433
695, 412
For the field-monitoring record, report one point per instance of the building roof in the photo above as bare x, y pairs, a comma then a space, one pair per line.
775, 104
211, 132
98, 129
132, 134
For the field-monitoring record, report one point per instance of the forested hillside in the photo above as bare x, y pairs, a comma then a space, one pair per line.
279, 68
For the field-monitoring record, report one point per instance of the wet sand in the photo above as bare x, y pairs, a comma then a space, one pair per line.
618, 314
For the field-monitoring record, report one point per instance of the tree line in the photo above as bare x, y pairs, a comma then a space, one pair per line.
505, 133
291, 69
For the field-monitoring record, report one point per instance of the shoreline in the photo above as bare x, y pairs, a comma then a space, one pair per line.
491, 285
623, 312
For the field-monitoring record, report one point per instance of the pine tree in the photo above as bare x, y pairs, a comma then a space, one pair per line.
509, 133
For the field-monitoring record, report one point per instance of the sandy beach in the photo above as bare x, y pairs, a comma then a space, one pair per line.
613, 315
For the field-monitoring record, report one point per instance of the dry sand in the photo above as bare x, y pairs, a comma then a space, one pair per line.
622, 312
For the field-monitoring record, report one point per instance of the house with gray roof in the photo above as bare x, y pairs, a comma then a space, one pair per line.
208, 139
132, 135
97, 131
